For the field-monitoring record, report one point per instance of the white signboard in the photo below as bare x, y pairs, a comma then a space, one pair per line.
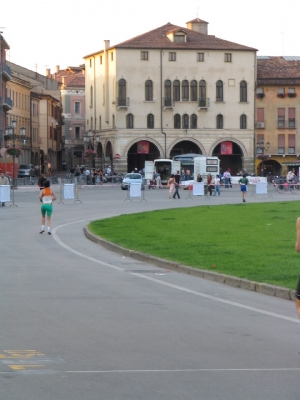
198, 189
4, 193
135, 190
261, 188
69, 191
252, 180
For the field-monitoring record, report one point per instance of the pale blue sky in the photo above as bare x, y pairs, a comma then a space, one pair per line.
50, 34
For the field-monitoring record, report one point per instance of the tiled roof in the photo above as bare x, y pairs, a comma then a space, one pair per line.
75, 81
196, 20
278, 71
157, 39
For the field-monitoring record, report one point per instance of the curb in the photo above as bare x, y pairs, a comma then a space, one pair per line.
264, 288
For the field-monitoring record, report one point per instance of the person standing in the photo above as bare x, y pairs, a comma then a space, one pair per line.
177, 178
217, 185
49, 168
3, 181
47, 196
243, 184
171, 185
209, 184
87, 176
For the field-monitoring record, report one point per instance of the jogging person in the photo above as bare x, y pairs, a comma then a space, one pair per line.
47, 196
243, 183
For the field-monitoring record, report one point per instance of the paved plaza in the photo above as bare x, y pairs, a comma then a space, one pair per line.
81, 322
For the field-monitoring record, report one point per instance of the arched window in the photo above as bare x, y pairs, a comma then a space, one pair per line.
193, 121
219, 121
113, 121
129, 121
150, 121
243, 121
194, 90
243, 92
122, 93
176, 90
168, 98
219, 91
185, 121
177, 121
149, 91
202, 93
185, 91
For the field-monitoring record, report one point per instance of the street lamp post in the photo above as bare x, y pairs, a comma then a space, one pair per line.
260, 150
89, 138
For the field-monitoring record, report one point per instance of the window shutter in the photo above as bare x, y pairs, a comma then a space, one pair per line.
291, 139
281, 112
292, 113
260, 115
281, 140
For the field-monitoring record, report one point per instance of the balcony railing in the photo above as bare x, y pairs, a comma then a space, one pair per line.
6, 72
168, 102
203, 103
289, 124
6, 103
123, 102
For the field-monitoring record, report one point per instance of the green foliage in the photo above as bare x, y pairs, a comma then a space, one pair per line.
253, 241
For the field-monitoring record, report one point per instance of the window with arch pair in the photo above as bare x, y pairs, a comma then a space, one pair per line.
130, 120
189, 91
220, 91
186, 122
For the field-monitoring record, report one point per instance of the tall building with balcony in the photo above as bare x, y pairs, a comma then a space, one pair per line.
277, 114
72, 81
170, 91
5, 76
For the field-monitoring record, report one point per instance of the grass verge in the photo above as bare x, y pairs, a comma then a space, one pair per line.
253, 241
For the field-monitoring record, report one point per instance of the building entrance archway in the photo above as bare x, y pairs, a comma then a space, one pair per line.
137, 155
233, 159
185, 147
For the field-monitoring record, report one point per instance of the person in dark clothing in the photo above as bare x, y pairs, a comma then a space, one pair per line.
177, 177
42, 181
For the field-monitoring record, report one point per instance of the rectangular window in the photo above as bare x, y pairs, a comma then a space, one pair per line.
260, 138
179, 38
90, 63
144, 55
100, 59
280, 92
111, 56
77, 107
292, 118
228, 57
77, 132
291, 143
281, 146
200, 57
281, 118
172, 56
291, 91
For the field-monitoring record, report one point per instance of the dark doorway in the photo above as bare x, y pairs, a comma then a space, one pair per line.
185, 147
136, 160
233, 161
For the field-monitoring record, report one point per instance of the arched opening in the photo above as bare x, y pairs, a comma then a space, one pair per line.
270, 167
230, 155
140, 152
185, 147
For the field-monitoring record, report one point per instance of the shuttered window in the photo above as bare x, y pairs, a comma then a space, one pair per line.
281, 117
281, 147
260, 115
291, 142
292, 118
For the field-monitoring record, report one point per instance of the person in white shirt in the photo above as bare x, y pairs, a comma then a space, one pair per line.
108, 170
217, 185
87, 175
3, 181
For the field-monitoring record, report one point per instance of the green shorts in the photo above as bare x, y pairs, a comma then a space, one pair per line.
46, 209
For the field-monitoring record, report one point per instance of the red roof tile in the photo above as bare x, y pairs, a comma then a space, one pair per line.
278, 71
157, 39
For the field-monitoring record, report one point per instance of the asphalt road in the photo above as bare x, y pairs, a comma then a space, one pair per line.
79, 322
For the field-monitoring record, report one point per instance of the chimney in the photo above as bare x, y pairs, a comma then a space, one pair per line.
48, 73
57, 68
198, 25
106, 44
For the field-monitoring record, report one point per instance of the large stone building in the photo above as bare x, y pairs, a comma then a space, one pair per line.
170, 91
278, 114
5, 76
73, 102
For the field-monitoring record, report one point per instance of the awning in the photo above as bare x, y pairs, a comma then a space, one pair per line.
291, 163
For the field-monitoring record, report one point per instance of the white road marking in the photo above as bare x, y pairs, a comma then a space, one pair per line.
177, 287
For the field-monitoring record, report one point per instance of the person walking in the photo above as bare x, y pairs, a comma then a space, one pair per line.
217, 185
177, 178
42, 181
3, 181
171, 184
243, 184
47, 196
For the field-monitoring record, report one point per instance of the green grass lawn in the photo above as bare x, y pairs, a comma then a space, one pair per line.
253, 241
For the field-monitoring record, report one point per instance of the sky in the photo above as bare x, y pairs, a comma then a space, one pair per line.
44, 34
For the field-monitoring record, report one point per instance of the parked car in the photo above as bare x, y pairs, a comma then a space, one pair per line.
132, 178
24, 170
